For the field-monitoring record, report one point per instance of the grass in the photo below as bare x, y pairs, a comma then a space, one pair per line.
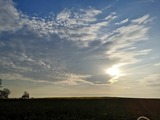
79, 109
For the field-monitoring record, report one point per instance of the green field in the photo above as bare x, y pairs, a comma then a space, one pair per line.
79, 109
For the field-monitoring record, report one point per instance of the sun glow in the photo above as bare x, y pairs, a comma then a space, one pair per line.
114, 71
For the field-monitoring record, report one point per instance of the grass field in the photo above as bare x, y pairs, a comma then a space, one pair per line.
79, 109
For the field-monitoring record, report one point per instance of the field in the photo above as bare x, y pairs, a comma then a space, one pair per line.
79, 109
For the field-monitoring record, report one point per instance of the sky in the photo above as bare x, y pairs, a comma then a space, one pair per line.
75, 48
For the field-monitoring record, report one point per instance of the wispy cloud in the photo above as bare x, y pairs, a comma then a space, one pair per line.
157, 64
9, 18
125, 38
122, 22
74, 79
151, 80
70, 47
142, 20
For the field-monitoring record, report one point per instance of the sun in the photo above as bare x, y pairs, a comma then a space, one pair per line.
114, 71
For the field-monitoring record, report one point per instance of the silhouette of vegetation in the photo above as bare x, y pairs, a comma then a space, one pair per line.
4, 93
25, 95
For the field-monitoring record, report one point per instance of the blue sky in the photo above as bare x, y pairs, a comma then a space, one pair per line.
59, 48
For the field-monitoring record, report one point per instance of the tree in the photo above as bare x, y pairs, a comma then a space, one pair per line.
25, 95
4, 93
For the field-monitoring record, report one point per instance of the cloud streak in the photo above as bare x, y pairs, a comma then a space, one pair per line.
122, 22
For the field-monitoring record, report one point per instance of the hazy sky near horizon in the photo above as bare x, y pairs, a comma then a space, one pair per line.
80, 48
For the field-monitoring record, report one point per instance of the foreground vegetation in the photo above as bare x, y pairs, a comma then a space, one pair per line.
79, 109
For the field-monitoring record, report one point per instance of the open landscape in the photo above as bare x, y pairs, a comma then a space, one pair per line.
79, 60
79, 109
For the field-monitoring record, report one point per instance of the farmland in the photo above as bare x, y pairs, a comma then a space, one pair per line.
79, 109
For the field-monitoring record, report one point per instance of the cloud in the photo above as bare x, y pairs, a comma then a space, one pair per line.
122, 22
157, 64
9, 16
74, 79
15, 76
126, 37
80, 25
151, 80
100, 79
142, 20
71, 47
